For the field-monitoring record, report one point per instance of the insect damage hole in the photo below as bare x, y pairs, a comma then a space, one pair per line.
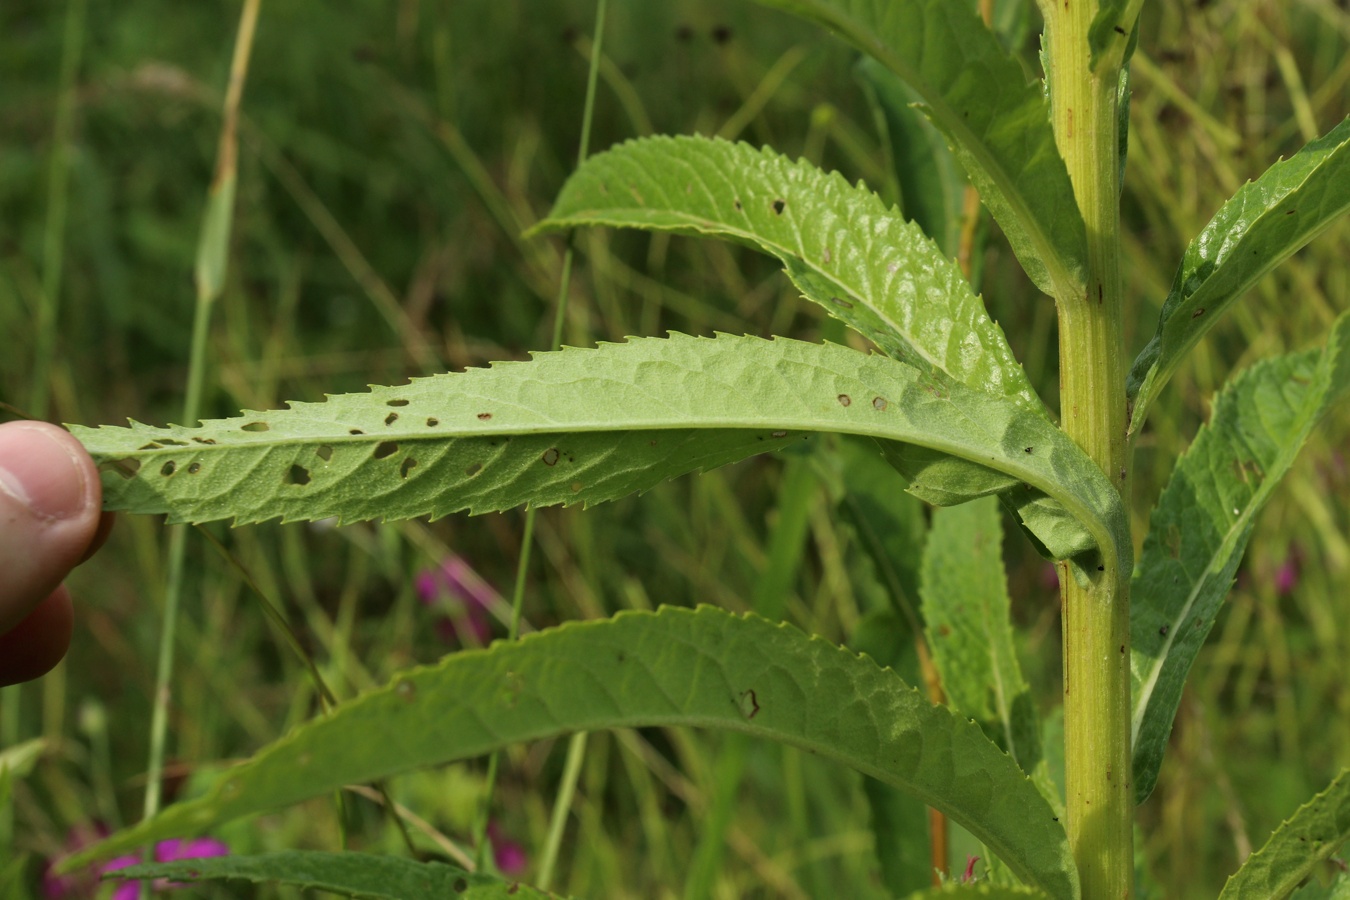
550, 456
298, 475
256, 427
168, 468
396, 403
778, 206
844, 400
391, 418
406, 466
324, 452
385, 449
194, 468
432, 423
879, 403
484, 416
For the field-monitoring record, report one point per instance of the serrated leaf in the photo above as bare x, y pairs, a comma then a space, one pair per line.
1204, 519
967, 619
702, 668
1309, 836
579, 426
995, 121
841, 246
364, 875
1264, 223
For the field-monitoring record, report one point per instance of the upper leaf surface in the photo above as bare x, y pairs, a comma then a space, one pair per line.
1261, 226
579, 426
703, 668
841, 245
363, 875
997, 122
1204, 519
1309, 836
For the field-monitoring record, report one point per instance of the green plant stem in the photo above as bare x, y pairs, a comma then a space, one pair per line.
562, 804
1096, 624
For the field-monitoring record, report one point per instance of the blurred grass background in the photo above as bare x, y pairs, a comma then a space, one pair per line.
391, 154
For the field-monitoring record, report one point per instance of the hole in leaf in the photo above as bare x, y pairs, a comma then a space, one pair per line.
737, 204
878, 402
204, 440
1198, 313
355, 431
151, 446
385, 449
408, 465
194, 468
779, 434
842, 304
391, 418
778, 206
168, 468
397, 403
170, 442
473, 469
127, 468
256, 426
845, 399
550, 456
325, 452
483, 417
432, 423
298, 475
826, 257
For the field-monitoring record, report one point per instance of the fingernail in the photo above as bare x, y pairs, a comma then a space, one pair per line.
32, 472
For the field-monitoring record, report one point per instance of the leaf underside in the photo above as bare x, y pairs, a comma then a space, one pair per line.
578, 426
995, 120
1309, 836
362, 875
701, 668
1204, 519
1264, 223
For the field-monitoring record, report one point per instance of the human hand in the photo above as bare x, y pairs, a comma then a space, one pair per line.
50, 522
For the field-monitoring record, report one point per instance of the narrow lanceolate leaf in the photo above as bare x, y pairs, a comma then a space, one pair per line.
701, 668
1261, 226
1311, 835
967, 618
1109, 35
579, 426
1204, 519
841, 245
931, 182
362, 875
996, 122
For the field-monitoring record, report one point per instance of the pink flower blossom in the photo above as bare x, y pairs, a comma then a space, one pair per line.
507, 854
85, 884
456, 588
1286, 576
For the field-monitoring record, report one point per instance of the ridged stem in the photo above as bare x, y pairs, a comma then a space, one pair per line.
1096, 623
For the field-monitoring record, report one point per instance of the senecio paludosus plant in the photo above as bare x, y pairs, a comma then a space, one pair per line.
943, 401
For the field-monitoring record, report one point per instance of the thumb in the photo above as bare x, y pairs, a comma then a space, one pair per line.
49, 513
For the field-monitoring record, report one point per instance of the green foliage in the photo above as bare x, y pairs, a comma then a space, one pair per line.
704, 668
362, 875
1204, 519
579, 426
1309, 836
986, 891
842, 247
996, 121
1262, 225
967, 621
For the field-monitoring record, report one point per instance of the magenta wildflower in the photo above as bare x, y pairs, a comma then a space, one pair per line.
456, 588
1286, 576
86, 884
507, 854
969, 876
